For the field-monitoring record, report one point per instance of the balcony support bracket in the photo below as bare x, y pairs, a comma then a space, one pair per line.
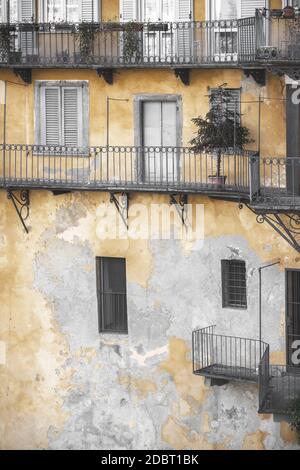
184, 75
107, 75
121, 202
286, 224
180, 203
25, 74
21, 204
259, 75
291, 71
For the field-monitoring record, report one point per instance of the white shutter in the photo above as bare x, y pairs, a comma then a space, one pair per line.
26, 14
26, 10
184, 10
89, 10
248, 7
184, 14
72, 116
128, 10
50, 116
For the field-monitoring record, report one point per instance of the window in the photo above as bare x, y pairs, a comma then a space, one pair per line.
69, 10
233, 9
234, 292
111, 293
62, 113
232, 102
19, 10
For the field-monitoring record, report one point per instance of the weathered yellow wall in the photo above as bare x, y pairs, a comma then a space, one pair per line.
36, 380
20, 103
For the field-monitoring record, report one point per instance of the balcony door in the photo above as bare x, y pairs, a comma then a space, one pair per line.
223, 42
293, 318
163, 39
159, 129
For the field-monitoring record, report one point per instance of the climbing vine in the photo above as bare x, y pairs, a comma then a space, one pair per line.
4, 40
131, 43
86, 36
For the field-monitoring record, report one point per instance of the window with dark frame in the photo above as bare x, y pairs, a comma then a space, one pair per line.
111, 294
234, 102
234, 286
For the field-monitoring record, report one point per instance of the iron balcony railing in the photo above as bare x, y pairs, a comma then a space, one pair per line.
225, 42
226, 357
275, 182
136, 168
279, 389
278, 37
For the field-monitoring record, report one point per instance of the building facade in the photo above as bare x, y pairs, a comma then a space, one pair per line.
107, 339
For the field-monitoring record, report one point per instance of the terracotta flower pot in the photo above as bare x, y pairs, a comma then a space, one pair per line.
217, 180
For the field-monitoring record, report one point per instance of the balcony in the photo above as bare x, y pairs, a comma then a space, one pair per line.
275, 184
234, 359
159, 169
224, 43
226, 357
279, 387
278, 38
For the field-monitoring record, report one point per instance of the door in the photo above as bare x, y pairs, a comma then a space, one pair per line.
158, 16
159, 130
293, 319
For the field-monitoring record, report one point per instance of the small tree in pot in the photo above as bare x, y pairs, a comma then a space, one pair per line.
220, 131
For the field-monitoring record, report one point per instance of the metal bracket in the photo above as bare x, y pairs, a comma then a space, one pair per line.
180, 201
107, 74
21, 204
184, 75
291, 71
122, 205
287, 225
25, 74
259, 75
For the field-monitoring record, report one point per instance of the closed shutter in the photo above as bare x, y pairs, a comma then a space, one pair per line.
184, 32
89, 10
248, 7
70, 118
233, 102
51, 116
128, 10
27, 16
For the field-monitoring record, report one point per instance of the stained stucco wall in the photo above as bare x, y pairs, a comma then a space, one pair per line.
127, 84
66, 386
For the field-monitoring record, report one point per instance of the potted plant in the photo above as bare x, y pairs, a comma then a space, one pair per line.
289, 12
219, 131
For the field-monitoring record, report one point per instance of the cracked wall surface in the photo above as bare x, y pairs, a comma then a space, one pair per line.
65, 386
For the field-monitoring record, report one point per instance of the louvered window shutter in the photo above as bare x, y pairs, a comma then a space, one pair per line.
233, 104
72, 116
50, 116
184, 34
128, 10
27, 16
89, 10
248, 7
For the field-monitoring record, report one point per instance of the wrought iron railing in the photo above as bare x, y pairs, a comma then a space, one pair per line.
275, 181
278, 37
128, 44
140, 168
279, 389
226, 357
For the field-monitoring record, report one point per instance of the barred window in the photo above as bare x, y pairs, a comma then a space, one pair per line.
234, 289
111, 293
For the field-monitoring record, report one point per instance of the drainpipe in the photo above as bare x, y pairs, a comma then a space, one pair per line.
260, 269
